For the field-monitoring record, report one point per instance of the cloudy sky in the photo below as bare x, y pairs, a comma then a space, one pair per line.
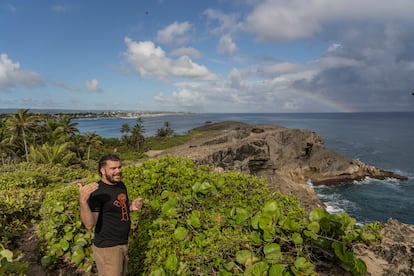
208, 55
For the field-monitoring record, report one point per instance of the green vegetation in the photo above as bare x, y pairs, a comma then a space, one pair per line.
194, 222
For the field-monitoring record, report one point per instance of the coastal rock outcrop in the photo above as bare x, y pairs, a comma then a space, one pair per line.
286, 158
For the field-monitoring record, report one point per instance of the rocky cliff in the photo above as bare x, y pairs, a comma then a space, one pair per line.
288, 159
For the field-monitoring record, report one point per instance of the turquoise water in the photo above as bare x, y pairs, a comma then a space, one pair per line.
384, 140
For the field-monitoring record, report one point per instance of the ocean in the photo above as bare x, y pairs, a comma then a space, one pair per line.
384, 140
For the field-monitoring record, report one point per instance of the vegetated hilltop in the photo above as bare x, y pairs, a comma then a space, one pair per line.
287, 158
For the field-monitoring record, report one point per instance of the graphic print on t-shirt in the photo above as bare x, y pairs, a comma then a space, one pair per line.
121, 202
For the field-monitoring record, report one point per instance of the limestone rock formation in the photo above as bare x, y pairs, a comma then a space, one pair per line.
394, 256
285, 158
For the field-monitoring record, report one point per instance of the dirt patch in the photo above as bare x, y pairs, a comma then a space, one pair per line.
28, 244
153, 153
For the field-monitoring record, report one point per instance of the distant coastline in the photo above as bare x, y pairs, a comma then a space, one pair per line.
80, 114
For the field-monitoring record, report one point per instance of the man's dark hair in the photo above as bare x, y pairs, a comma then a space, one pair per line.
102, 161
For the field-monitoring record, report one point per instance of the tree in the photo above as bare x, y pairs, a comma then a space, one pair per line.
52, 154
21, 124
6, 148
52, 132
125, 129
69, 127
166, 131
137, 136
92, 139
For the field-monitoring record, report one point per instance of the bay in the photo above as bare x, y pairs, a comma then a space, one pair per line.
384, 140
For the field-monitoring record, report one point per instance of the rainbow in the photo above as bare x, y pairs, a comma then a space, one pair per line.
322, 100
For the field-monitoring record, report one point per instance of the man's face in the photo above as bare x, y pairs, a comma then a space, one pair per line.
112, 172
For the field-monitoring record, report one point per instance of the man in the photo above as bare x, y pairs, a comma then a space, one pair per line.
105, 206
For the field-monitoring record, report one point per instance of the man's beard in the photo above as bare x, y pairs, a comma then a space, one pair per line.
114, 178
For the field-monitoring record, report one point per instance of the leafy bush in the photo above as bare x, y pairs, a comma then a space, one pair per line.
31, 175
63, 236
17, 208
195, 222
9, 263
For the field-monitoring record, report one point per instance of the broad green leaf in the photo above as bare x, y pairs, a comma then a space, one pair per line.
206, 187
224, 273
360, 268
169, 209
81, 241
272, 252
166, 194
157, 271
256, 238
241, 215
255, 221
242, 256
229, 265
314, 227
196, 187
180, 233
64, 244
325, 225
302, 264
194, 219
171, 262
250, 261
276, 270
297, 238
78, 256
270, 207
266, 223
258, 268
267, 236
317, 213
7, 254
344, 254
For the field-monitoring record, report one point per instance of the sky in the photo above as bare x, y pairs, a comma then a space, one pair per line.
277, 56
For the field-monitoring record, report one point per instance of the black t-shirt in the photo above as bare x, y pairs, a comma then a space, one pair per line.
113, 225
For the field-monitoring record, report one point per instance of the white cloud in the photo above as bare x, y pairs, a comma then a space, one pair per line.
66, 86
226, 45
278, 20
150, 60
11, 74
93, 86
186, 51
174, 34
227, 23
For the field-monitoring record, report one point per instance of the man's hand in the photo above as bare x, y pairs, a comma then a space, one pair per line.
86, 191
88, 217
136, 204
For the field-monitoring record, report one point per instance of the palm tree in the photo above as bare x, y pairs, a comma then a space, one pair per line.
165, 132
91, 139
6, 148
125, 129
55, 154
69, 127
21, 124
137, 136
52, 132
